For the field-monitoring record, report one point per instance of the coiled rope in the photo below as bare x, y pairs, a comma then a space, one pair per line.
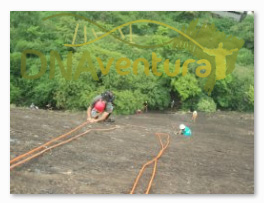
45, 147
21, 159
47, 143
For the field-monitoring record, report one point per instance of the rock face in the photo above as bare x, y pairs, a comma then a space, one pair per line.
218, 158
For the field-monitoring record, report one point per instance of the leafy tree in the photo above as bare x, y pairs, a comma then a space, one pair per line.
206, 104
186, 86
29, 31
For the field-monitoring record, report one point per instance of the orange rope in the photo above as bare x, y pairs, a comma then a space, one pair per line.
155, 160
47, 143
152, 177
56, 145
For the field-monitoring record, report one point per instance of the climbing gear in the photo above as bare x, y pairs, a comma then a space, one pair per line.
108, 96
182, 126
59, 141
100, 106
52, 144
154, 160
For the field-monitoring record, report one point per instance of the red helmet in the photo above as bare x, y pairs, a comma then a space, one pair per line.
100, 106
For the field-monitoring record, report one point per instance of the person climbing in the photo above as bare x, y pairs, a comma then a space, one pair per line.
33, 106
49, 106
194, 115
101, 108
145, 108
184, 130
172, 103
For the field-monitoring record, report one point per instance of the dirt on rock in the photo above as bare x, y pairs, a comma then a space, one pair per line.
218, 158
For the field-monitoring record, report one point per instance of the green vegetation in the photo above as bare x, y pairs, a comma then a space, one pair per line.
29, 31
206, 104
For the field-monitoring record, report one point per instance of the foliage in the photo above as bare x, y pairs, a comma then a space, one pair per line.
245, 30
250, 97
245, 57
234, 94
206, 104
29, 31
15, 93
128, 102
186, 86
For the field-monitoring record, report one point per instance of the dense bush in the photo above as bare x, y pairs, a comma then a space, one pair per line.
250, 97
206, 104
186, 86
15, 94
29, 31
128, 102
245, 30
234, 93
245, 57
